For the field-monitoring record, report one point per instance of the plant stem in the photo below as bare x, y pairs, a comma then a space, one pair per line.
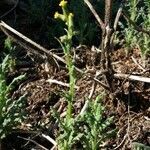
71, 85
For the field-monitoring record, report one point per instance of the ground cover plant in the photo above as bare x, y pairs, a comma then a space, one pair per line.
91, 89
134, 38
12, 112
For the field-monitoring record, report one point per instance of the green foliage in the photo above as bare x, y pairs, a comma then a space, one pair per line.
95, 129
94, 132
66, 43
140, 15
139, 146
67, 138
143, 40
130, 39
8, 44
129, 32
68, 134
89, 129
8, 49
11, 111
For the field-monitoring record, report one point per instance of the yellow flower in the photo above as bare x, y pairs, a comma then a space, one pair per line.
56, 15
59, 16
71, 14
63, 3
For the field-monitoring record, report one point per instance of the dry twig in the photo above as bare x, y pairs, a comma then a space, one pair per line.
132, 77
89, 97
99, 20
140, 66
121, 143
106, 40
30, 140
116, 23
28, 43
49, 139
60, 83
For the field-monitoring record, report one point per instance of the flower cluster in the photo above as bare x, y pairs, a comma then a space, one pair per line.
67, 17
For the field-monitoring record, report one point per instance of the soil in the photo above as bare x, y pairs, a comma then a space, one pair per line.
130, 106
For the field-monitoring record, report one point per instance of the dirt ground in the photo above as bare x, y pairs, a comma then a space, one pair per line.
130, 107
